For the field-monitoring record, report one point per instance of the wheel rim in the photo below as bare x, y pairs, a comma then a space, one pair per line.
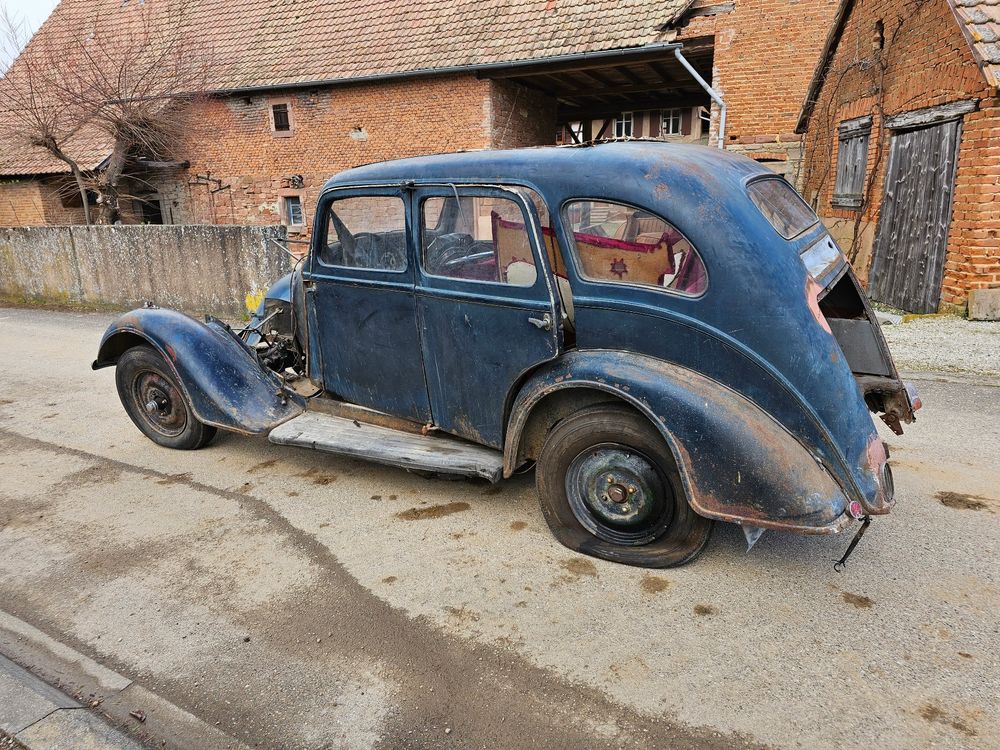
618, 495
160, 404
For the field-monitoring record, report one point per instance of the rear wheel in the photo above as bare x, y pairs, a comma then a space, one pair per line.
609, 487
154, 402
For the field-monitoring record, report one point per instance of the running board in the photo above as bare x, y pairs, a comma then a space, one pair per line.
437, 453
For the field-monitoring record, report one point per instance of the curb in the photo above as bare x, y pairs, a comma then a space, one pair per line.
77, 702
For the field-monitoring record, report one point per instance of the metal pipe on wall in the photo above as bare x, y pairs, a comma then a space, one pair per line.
716, 97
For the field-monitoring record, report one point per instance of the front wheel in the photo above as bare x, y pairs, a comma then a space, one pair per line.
609, 487
153, 399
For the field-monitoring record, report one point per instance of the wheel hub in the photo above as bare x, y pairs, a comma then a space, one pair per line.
164, 409
618, 495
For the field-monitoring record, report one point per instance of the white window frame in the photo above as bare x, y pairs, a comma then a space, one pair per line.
667, 119
286, 214
622, 121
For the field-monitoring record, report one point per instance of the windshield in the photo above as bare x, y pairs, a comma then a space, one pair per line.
782, 206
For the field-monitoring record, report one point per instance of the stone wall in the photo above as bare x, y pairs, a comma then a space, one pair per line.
197, 269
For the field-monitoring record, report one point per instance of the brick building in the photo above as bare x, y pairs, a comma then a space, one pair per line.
303, 89
902, 127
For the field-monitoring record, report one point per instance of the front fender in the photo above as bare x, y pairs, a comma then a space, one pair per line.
736, 462
221, 378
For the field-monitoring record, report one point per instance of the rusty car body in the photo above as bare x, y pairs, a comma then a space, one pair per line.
667, 331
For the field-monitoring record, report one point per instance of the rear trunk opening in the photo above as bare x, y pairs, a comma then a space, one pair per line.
853, 323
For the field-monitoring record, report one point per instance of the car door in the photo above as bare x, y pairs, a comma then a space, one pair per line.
485, 303
362, 290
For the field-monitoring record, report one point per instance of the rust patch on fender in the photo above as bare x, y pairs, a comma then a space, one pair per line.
812, 298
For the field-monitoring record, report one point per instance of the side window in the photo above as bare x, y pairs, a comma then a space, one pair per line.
623, 244
365, 232
477, 238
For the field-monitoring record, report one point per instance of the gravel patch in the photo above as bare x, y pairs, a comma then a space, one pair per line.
946, 344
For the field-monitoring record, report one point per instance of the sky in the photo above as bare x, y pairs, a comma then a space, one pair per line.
31, 11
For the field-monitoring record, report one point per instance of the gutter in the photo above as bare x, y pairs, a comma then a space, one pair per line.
716, 96
623, 52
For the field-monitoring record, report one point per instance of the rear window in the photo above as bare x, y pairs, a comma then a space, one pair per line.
782, 206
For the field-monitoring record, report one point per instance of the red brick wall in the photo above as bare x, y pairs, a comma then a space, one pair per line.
249, 167
32, 201
21, 203
765, 53
925, 61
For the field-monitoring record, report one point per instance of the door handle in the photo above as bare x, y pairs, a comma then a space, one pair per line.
544, 323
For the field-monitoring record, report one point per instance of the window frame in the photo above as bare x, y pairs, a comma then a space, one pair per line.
319, 267
512, 193
626, 117
276, 102
670, 112
577, 265
853, 144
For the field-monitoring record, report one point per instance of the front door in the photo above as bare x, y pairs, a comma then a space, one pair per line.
363, 304
912, 238
485, 302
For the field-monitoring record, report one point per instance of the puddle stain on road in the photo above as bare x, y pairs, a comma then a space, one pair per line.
858, 600
432, 511
654, 584
934, 714
963, 501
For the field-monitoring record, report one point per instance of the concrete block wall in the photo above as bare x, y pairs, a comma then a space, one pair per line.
197, 269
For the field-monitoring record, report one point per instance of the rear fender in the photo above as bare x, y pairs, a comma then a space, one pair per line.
736, 462
220, 376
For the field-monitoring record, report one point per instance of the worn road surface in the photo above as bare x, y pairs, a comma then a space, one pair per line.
384, 609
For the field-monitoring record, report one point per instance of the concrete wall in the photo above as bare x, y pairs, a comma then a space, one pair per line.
197, 269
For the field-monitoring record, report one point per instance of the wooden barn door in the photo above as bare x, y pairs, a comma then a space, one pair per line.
912, 237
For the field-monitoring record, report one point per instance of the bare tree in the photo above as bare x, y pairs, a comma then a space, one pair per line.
33, 116
126, 79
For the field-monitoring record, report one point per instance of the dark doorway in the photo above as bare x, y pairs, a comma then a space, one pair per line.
912, 237
149, 210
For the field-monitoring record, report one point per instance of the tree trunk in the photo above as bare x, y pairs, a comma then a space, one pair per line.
108, 183
77, 175
82, 187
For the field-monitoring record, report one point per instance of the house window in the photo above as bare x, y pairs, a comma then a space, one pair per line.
291, 214
623, 125
670, 122
852, 162
281, 117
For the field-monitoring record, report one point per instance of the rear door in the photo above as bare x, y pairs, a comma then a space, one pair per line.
485, 303
362, 290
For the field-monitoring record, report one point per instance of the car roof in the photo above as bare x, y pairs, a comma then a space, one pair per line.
566, 169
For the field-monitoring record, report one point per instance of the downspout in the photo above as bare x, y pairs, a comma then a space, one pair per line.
716, 97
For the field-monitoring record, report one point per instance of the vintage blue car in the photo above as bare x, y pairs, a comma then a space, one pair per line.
667, 332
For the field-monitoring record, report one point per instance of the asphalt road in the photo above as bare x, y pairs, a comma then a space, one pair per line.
297, 600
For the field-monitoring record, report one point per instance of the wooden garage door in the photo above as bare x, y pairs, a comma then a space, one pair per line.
912, 236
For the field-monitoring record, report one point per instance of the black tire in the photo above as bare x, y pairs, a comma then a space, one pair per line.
143, 378
643, 517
